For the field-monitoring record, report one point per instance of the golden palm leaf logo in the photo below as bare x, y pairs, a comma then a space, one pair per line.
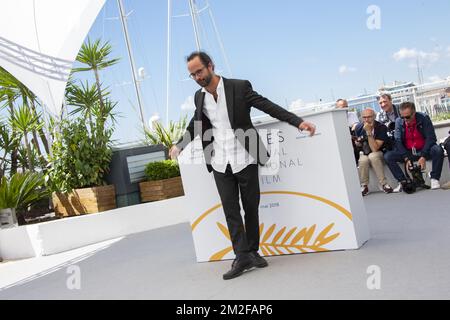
283, 242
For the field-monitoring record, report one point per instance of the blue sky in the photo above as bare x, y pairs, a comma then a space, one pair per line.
290, 50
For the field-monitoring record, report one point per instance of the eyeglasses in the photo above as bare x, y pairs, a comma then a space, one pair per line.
368, 117
407, 117
197, 73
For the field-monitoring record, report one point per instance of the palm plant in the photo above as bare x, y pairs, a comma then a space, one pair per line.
95, 56
166, 136
8, 142
8, 94
21, 190
83, 97
11, 90
24, 121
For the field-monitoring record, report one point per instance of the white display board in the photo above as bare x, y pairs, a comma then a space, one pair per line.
310, 197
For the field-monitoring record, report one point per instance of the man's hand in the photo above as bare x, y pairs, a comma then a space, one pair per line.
308, 126
368, 128
174, 152
423, 163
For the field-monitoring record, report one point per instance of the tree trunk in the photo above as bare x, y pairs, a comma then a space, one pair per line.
35, 142
102, 107
29, 154
15, 151
99, 89
41, 131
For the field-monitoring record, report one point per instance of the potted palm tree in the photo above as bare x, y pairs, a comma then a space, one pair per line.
163, 181
82, 146
19, 191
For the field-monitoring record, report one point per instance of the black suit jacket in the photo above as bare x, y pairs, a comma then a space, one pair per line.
240, 98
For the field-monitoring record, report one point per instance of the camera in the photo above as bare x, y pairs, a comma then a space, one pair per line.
362, 144
414, 178
390, 129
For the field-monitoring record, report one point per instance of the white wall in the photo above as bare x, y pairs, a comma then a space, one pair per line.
61, 235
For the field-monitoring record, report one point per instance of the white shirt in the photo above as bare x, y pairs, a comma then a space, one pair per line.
227, 149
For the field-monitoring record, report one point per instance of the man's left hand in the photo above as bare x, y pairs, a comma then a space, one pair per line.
308, 126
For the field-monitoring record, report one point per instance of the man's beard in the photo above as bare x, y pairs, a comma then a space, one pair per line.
206, 81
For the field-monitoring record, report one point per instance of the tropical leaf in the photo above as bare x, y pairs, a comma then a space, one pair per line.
95, 55
21, 190
167, 136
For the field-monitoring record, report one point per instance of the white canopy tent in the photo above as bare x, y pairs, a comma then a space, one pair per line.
39, 41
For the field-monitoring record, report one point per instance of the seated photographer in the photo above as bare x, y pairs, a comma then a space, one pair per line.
415, 140
371, 140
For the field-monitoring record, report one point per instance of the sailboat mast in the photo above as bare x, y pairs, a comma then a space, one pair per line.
169, 18
193, 11
132, 64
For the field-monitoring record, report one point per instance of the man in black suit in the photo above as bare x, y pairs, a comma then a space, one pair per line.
233, 150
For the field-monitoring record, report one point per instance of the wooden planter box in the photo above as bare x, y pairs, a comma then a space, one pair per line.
161, 189
83, 201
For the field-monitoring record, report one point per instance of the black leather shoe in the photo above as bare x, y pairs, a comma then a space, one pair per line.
259, 261
239, 266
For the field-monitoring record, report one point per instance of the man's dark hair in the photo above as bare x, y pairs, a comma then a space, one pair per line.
407, 105
384, 95
204, 57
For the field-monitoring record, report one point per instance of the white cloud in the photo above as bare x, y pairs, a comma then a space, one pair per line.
406, 53
300, 104
188, 104
435, 78
346, 69
297, 104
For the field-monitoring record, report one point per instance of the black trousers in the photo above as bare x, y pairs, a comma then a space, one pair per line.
244, 235
447, 148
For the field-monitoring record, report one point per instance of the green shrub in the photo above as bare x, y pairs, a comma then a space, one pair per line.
441, 117
80, 159
160, 170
